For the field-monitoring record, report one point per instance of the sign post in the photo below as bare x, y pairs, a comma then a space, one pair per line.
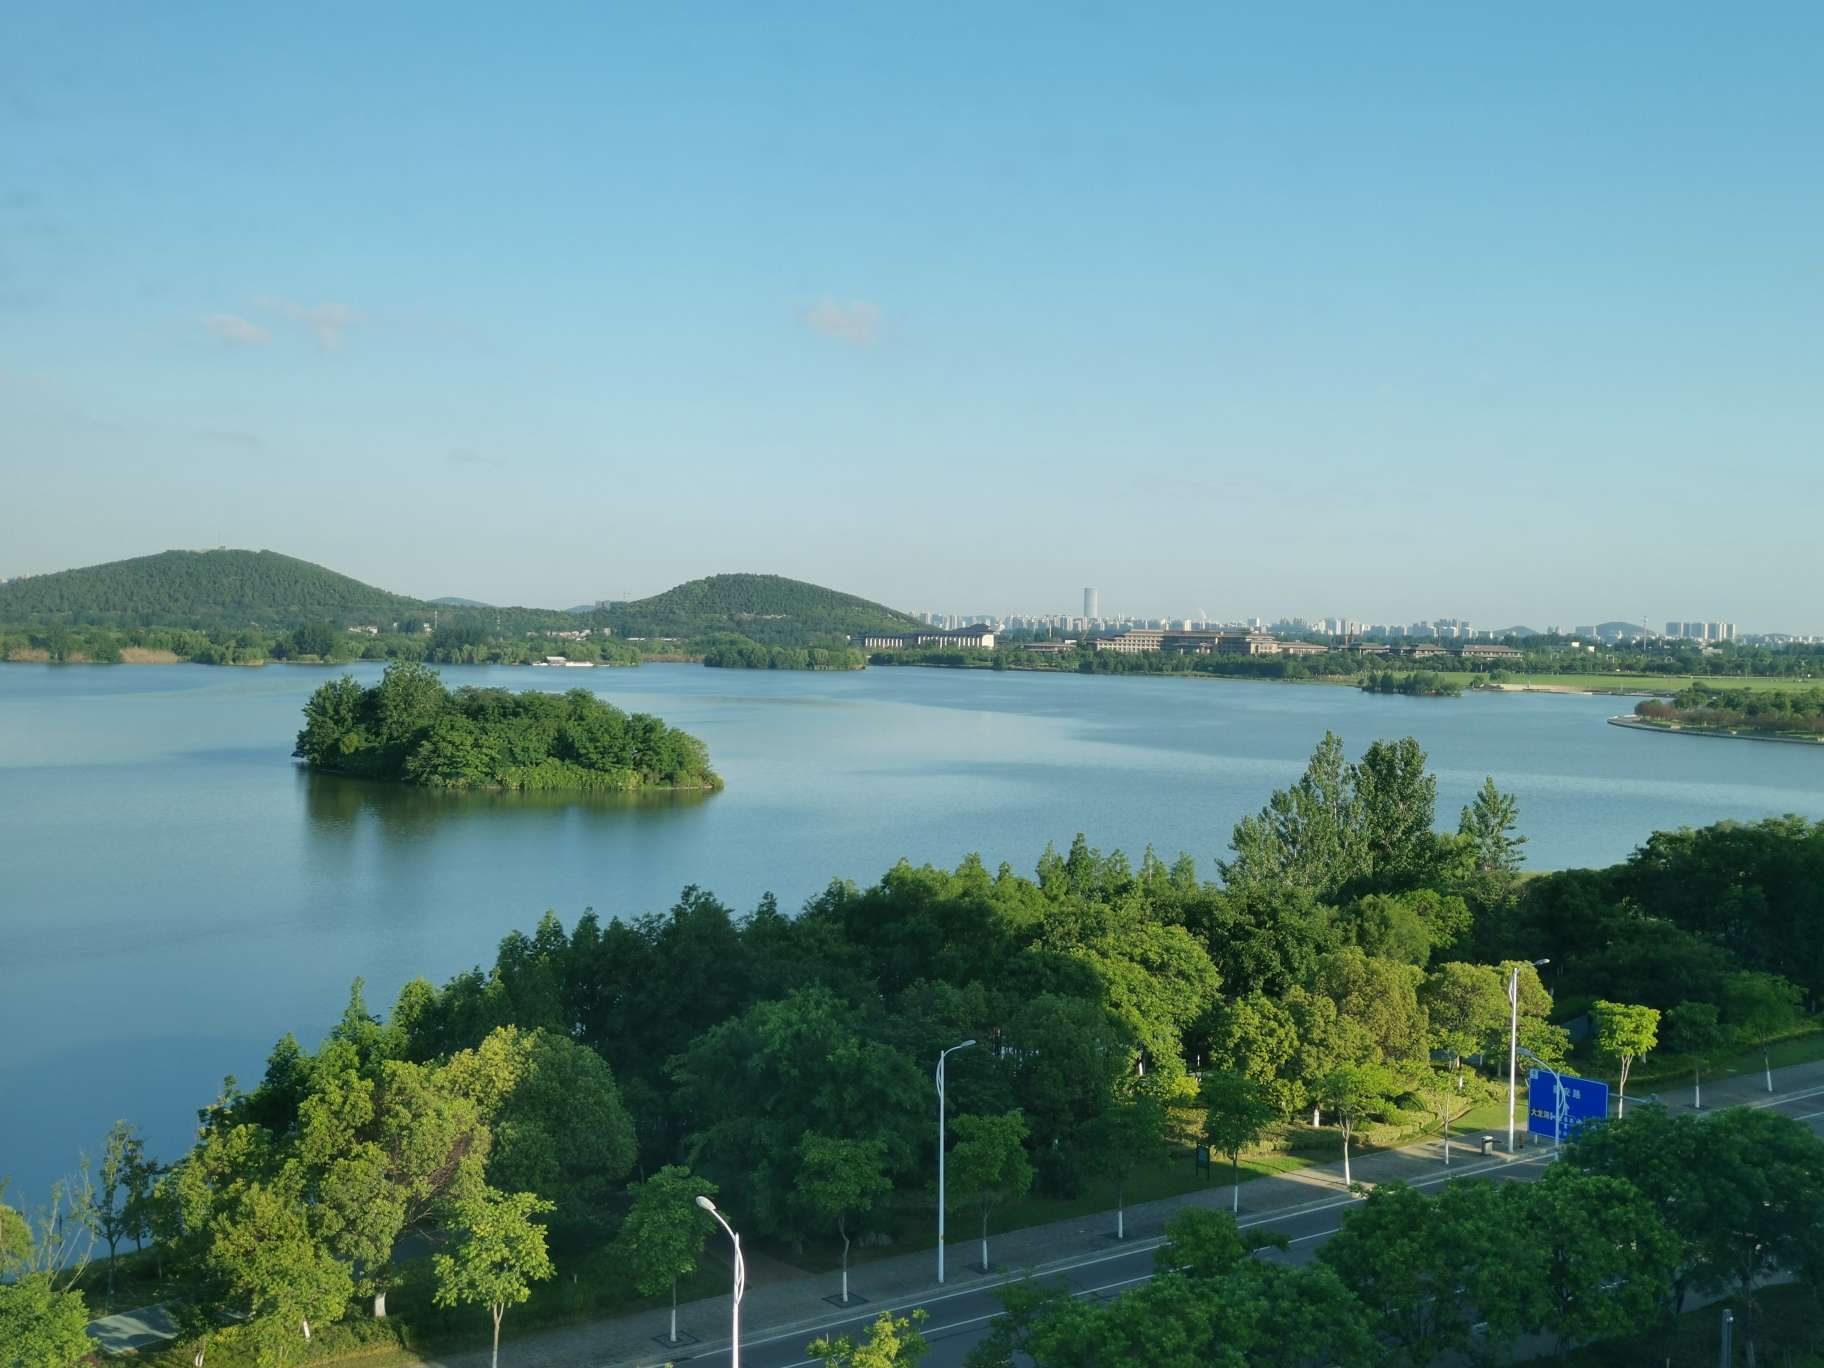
1560, 1105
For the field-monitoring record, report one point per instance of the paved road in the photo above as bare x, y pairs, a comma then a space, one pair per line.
959, 1318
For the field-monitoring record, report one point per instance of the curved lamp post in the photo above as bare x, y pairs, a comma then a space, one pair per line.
734, 1352
940, 1152
1513, 1045
1558, 1100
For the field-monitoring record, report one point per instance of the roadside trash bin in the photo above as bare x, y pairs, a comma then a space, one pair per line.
1488, 1145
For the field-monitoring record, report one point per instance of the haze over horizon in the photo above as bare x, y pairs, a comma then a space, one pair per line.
1399, 315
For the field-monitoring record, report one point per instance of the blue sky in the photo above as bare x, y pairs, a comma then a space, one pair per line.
1386, 311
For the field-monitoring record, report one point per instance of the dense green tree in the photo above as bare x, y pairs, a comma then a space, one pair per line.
1127, 1135
841, 1181
1465, 1007
1407, 1256
1236, 1113
498, 1253
1381, 997
558, 1124
1741, 1189
1488, 824
275, 1264
1594, 1258
1352, 1094
662, 1237
1257, 1038
1624, 1032
759, 1083
1065, 1061
41, 1326
988, 1167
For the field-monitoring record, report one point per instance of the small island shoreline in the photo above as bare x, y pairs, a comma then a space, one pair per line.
1640, 724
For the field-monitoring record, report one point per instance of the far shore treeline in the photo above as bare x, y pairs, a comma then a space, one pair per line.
1343, 980
1763, 712
410, 728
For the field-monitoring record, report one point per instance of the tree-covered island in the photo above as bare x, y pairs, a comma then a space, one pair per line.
411, 729
1792, 714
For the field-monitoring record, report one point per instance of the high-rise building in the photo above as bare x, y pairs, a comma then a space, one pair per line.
1092, 605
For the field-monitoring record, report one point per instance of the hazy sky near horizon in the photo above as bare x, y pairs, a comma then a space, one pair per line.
1389, 311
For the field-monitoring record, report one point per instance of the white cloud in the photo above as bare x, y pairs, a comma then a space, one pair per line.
325, 320
855, 322
237, 331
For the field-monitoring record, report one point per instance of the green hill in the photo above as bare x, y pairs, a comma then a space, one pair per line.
764, 608
203, 589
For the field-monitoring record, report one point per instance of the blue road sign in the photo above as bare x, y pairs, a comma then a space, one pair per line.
1583, 1100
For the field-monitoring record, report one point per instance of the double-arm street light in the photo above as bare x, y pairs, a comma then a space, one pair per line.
940, 1152
1513, 1045
734, 1351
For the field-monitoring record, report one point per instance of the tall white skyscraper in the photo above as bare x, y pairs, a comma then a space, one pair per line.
1092, 604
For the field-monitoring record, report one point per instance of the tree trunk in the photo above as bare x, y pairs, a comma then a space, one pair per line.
1120, 1212
1235, 1159
984, 1239
380, 1304
498, 1310
1346, 1181
1316, 1115
111, 1244
845, 1263
1621, 1101
674, 1310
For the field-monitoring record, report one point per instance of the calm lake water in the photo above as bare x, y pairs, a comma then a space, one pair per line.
175, 893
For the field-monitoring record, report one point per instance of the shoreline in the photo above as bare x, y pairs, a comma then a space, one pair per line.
1640, 724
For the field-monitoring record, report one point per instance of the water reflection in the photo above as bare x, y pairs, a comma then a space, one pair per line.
338, 807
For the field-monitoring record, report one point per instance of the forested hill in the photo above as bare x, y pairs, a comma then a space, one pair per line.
764, 608
226, 588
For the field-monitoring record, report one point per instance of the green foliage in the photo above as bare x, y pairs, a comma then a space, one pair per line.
1488, 824
662, 1237
891, 1342
1711, 707
408, 727
1417, 684
759, 1083
1742, 1191
1624, 1032
988, 1166
840, 1180
1250, 1313
740, 653
1361, 827
40, 1326
203, 588
1236, 1113
498, 1254
559, 1126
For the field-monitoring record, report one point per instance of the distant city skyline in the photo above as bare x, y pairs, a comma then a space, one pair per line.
1268, 307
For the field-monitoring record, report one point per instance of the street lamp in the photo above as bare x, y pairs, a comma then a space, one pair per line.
1513, 1045
734, 1352
940, 1152
1558, 1100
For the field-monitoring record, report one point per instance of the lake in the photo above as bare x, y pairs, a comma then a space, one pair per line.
176, 893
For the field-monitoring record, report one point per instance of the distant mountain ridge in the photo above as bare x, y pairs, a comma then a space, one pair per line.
765, 608
233, 589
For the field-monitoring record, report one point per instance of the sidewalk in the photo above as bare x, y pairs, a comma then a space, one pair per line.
788, 1300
